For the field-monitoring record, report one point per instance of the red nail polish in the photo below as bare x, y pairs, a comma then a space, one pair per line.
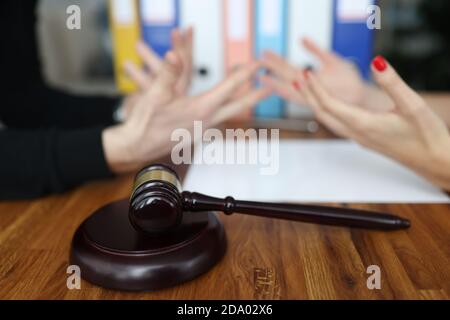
379, 63
296, 85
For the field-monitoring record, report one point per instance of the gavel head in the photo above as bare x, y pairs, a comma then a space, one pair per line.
155, 203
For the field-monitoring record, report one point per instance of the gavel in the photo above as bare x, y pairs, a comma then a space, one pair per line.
157, 205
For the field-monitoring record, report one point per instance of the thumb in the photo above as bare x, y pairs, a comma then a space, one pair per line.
405, 98
408, 102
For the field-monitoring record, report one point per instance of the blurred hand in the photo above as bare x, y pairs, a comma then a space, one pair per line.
340, 77
182, 47
411, 133
146, 134
144, 77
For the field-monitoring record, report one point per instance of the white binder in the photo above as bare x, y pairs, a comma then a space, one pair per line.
313, 19
206, 18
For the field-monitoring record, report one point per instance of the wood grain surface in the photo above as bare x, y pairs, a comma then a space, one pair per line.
266, 259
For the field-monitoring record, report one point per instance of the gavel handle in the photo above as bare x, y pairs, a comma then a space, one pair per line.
297, 212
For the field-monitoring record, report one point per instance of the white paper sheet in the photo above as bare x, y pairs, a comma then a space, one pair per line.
317, 171
312, 19
206, 17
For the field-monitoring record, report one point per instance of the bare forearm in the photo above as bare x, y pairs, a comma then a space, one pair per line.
438, 170
117, 152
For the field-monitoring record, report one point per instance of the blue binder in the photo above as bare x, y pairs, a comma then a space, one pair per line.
270, 34
352, 38
158, 19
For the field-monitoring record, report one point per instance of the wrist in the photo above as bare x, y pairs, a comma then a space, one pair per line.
440, 170
117, 148
434, 167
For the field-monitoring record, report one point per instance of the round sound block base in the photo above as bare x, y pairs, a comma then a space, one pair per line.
112, 254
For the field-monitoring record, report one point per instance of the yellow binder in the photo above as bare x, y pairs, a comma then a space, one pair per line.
125, 30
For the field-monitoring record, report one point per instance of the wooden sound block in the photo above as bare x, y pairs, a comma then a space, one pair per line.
112, 254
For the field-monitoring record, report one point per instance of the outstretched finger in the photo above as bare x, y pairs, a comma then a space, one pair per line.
405, 98
238, 106
137, 75
322, 116
189, 42
151, 60
346, 113
289, 92
278, 66
183, 47
326, 57
408, 102
170, 70
337, 116
227, 88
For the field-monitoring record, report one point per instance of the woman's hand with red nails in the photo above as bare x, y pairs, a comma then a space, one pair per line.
410, 133
340, 77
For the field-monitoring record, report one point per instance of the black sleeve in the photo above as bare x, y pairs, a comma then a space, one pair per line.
34, 163
42, 107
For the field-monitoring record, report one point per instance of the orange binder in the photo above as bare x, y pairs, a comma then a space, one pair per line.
238, 32
125, 29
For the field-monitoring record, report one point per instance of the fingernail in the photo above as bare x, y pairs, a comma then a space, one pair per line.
379, 63
296, 85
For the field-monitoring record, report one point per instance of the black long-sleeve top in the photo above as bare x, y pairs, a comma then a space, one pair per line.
51, 140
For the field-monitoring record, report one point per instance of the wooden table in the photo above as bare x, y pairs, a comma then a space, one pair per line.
266, 259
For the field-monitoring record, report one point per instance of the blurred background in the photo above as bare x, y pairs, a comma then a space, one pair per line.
415, 37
